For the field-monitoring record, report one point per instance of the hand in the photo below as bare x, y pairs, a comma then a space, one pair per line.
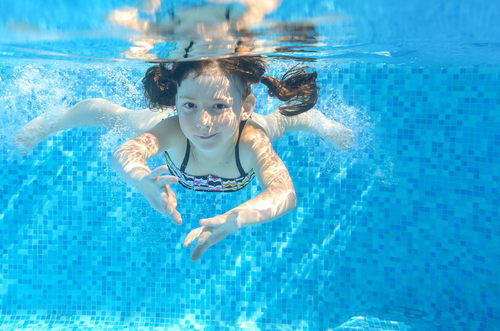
24, 142
19, 143
156, 189
343, 137
328, 129
213, 230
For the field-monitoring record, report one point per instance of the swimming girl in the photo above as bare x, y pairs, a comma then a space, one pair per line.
215, 143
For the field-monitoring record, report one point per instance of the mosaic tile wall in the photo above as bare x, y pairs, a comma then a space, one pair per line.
400, 233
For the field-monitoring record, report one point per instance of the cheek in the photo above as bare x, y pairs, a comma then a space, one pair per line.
185, 121
227, 118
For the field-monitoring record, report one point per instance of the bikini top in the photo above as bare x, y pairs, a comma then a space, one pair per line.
211, 183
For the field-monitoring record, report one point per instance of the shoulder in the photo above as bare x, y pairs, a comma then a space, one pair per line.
259, 154
254, 143
168, 133
253, 134
168, 126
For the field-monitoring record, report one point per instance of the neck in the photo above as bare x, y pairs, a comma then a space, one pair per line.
222, 154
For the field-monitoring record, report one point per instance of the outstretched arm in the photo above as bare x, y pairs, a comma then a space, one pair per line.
87, 113
275, 124
277, 199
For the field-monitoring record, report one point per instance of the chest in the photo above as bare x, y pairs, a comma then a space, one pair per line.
186, 161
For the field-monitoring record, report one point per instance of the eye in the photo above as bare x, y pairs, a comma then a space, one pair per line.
220, 106
189, 105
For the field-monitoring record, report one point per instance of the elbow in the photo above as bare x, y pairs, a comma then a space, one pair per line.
88, 104
92, 101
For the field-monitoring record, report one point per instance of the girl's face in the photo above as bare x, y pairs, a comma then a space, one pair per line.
210, 109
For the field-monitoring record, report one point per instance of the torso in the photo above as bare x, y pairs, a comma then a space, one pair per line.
224, 171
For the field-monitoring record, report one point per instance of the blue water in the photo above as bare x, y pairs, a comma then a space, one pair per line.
400, 233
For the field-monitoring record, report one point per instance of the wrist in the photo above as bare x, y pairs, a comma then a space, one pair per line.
246, 217
136, 177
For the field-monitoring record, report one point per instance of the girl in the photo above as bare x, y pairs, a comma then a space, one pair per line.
215, 143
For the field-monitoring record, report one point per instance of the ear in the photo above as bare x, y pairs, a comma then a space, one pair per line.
247, 107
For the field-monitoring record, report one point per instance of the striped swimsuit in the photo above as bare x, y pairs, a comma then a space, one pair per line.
210, 183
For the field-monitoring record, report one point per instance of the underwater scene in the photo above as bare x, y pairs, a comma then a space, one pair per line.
392, 221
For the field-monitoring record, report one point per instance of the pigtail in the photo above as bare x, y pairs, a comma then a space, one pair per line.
159, 87
297, 88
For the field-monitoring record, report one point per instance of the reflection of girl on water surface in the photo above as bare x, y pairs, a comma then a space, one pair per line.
216, 16
215, 143
218, 29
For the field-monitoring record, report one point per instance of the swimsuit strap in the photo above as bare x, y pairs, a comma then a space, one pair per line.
186, 157
237, 150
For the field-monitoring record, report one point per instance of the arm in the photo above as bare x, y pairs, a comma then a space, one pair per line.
277, 198
275, 125
86, 113
129, 162
91, 112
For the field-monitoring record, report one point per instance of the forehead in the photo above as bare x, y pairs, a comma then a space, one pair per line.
211, 81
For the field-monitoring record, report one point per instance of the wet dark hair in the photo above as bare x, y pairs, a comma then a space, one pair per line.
297, 87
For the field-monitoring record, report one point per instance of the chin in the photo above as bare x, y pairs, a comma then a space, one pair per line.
205, 145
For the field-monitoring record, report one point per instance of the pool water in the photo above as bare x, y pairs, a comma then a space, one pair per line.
400, 233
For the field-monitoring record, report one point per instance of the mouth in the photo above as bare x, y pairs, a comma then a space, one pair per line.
206, 137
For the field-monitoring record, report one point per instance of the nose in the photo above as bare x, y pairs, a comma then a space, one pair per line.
205, 120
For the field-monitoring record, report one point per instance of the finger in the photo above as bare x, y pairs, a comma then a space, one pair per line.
169, 209
206, 239
214, 221
157, 172
192, 236
164, 197
172, 200
167, 180
176, 217
168, 198
198, 250
170, 203
202, 238
217, 221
